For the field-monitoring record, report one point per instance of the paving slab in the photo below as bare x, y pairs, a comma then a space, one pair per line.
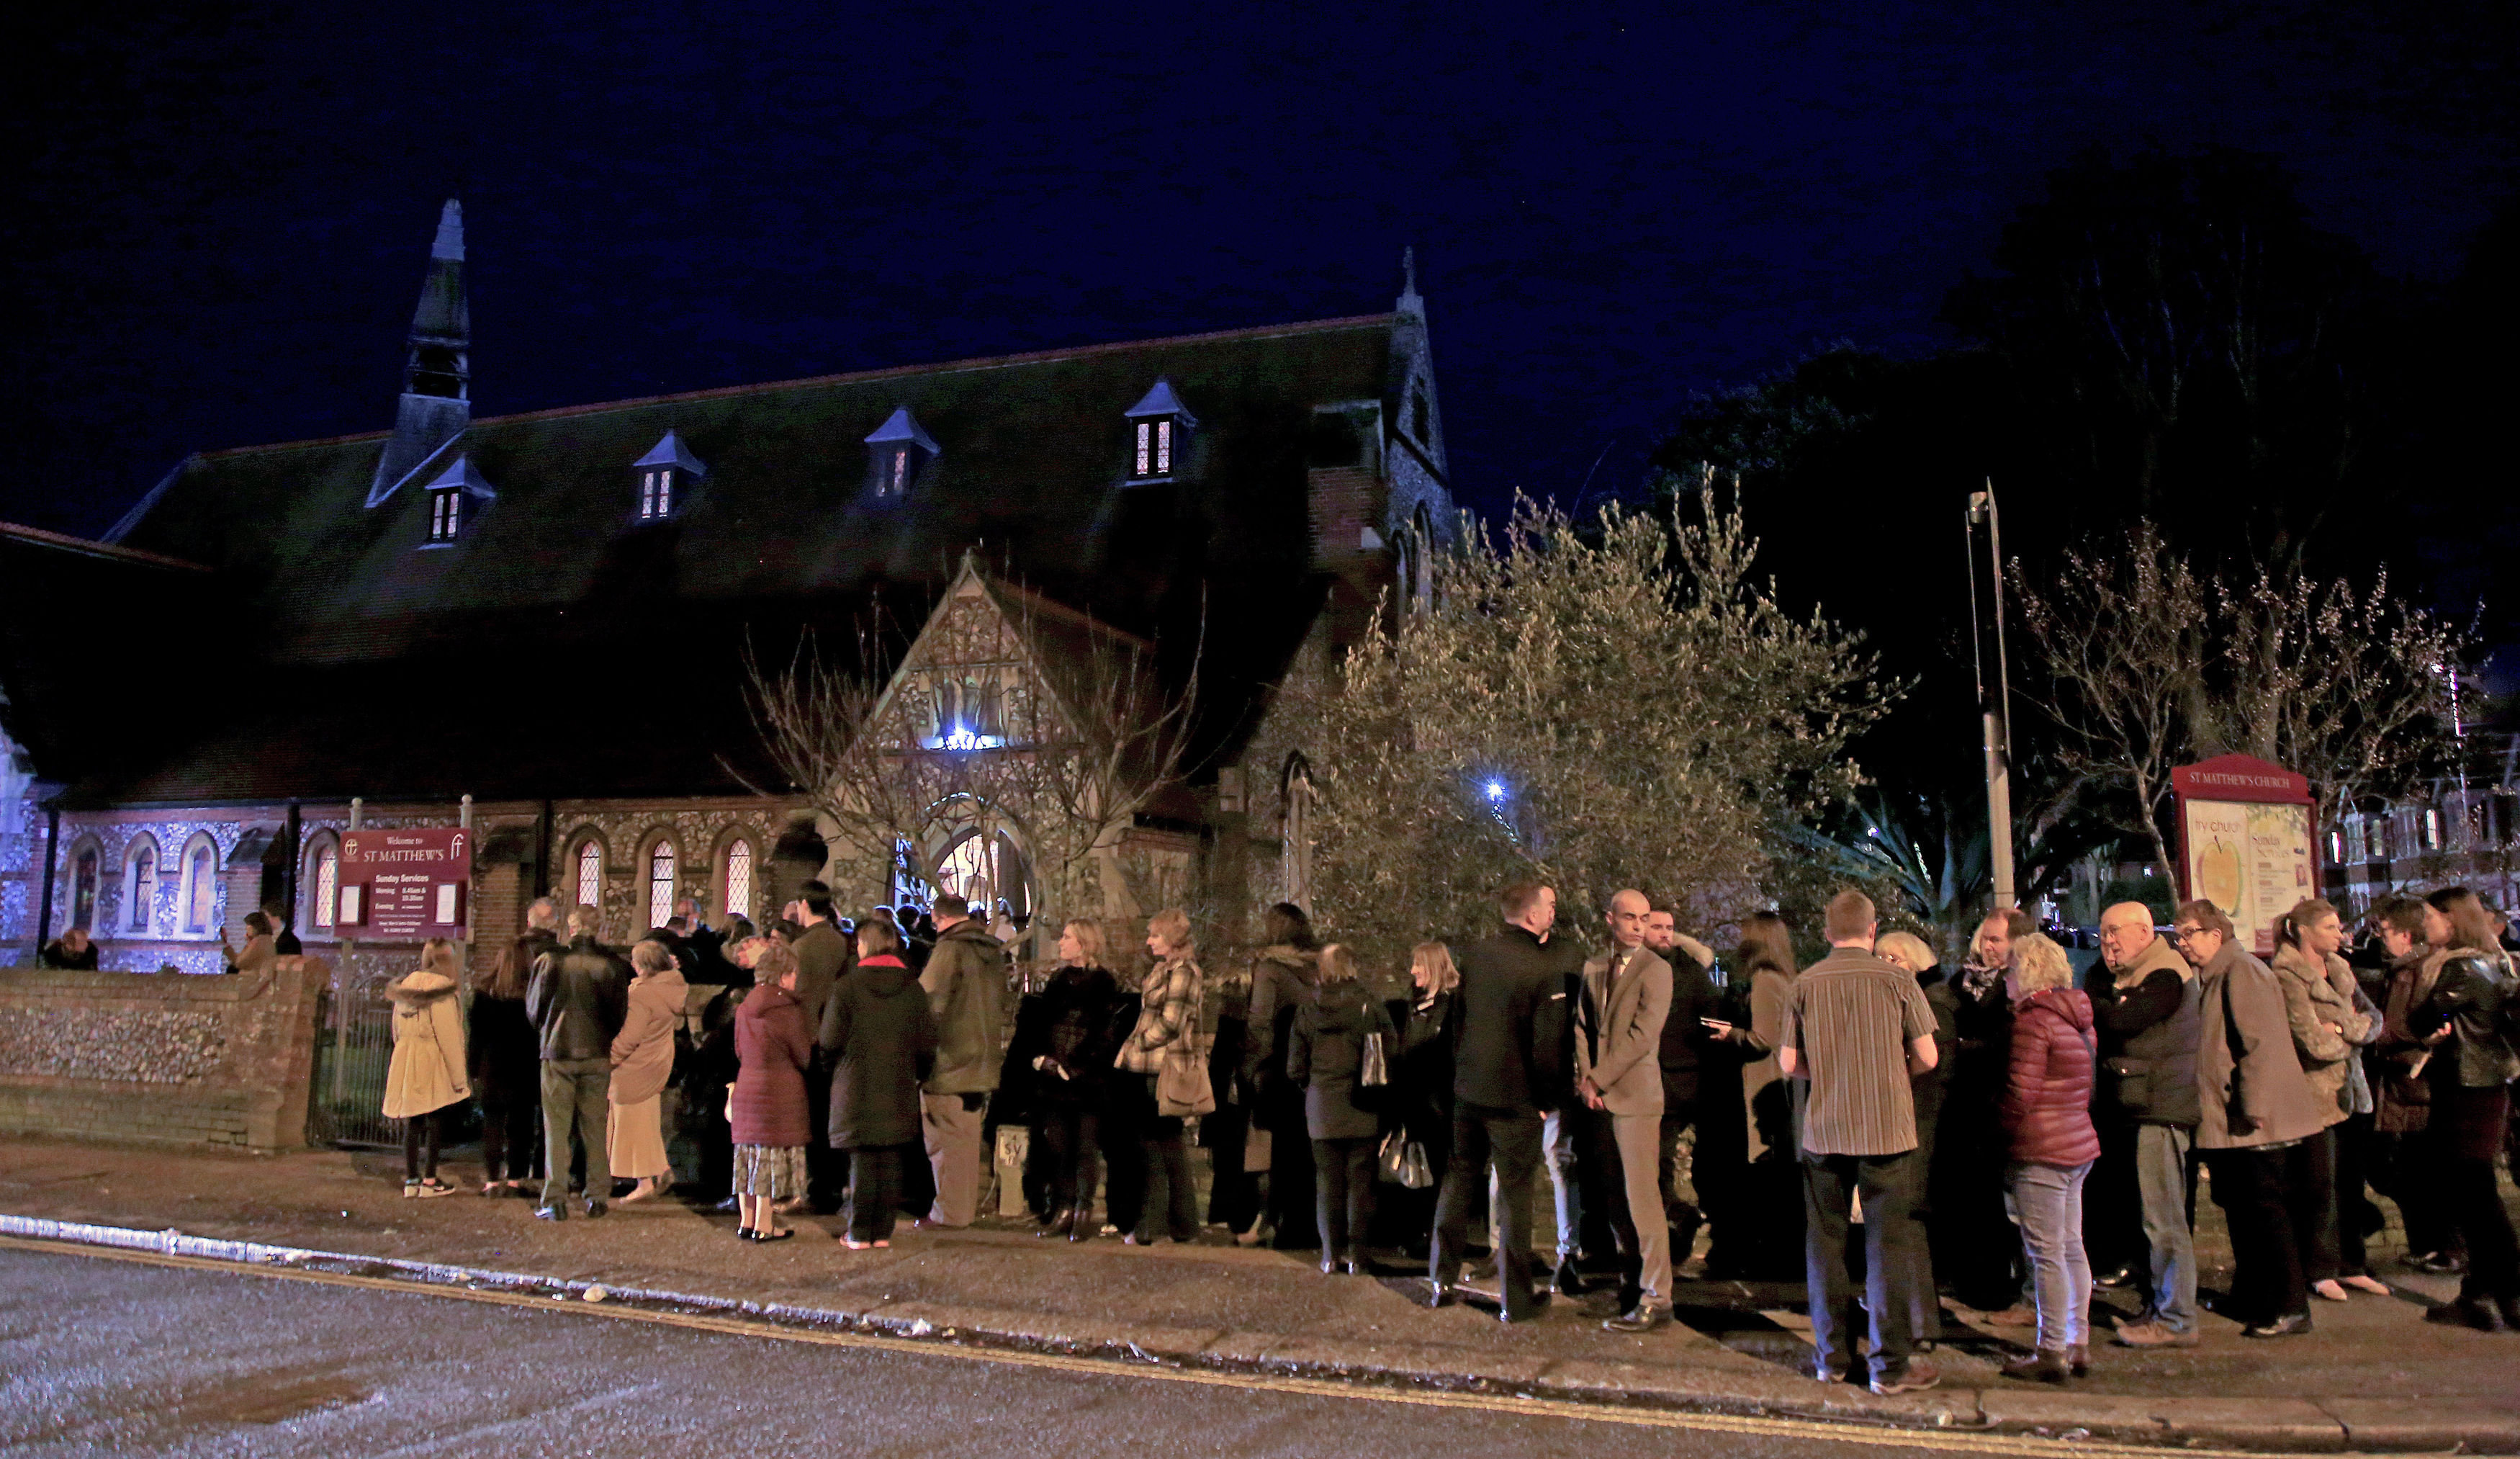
2426, 1426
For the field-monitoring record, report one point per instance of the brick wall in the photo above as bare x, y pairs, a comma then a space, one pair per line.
164, 1059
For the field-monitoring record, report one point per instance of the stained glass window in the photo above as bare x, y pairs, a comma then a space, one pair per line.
739, 879
590, 874
1145, 433
327, 884
83, 880
199, 890
140, 892
1163, 447
661, 884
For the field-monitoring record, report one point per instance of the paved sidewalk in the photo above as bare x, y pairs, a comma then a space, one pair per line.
2374, 1376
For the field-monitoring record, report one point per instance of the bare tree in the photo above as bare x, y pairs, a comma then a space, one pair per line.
1011, 714
2141, 661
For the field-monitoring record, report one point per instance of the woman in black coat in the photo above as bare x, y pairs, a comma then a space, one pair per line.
1284, 975
1326, 1060
506, 1058
881, 1039
1422, 1077
1066, 1059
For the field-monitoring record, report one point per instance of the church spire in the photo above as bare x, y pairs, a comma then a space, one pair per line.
1409, 300
438, 371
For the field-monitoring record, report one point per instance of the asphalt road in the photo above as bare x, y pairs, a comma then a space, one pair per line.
107, 1356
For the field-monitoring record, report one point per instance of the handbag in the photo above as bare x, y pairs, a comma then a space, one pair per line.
1404, 1163
1182, 1086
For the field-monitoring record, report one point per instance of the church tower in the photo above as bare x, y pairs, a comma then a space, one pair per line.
437, 374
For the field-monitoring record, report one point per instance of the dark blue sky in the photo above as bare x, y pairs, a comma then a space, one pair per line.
223, 220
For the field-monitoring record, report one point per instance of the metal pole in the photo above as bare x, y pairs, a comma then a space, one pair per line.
341, 982
51, 851
1993, 708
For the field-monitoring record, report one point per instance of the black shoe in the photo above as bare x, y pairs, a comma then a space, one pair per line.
1568, 1282
2510, 1307
1352, 1267
2438, 1263
596, 1209
2467, 1311
1533, 1313
2123, 1276
2291, 1326
1638, 1319
550, 1213
1330, 1266
1443, 1294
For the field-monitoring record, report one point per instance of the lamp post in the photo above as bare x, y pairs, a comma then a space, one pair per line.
1994, 717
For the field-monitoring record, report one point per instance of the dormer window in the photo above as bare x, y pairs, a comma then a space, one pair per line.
667, 476
1159, 428
896, 454
456, 499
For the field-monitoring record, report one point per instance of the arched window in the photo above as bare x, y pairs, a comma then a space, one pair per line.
200, 887
139, 886
323, 884
660, 883
737, 902
1295, 846
590, 873
84, 866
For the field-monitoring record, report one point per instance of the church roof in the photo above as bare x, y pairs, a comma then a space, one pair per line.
670, 451
557, 574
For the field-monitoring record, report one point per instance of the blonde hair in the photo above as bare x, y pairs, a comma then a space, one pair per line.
1435, 960
1172, 924
437, 955
1089, 937
2041, 964
1905, 948
770, 961
651, 956
1339, 965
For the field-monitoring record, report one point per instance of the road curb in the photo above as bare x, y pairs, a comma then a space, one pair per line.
2256, 1424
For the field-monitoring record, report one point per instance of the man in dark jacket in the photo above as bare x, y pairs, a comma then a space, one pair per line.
70, 950
966, 981
1509, 1064
2147, 1020
578, 998
823, 958
1695, 998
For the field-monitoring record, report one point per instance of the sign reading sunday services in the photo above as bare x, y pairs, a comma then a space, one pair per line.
406, 885
2244, 841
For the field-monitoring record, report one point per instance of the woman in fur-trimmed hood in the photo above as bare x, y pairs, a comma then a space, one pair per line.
427, 1071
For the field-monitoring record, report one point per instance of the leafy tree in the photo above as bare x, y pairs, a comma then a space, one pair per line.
1596, 706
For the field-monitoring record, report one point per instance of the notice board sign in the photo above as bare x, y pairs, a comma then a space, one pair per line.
406, 885
2245, 843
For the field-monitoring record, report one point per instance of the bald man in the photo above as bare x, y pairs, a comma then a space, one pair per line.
2148, 1019
1618, 1084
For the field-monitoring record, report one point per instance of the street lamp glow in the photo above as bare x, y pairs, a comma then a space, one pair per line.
1496, 790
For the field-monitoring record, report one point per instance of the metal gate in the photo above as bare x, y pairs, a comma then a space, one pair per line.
353, 1049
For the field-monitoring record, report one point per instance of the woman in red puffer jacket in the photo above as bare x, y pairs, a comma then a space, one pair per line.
765, 1106
2048, 1116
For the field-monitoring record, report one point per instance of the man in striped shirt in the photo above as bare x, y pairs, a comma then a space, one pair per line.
1858, 1028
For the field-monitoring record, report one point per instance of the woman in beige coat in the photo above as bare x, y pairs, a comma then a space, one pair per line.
427, 1074
2327, 1037
643, 1060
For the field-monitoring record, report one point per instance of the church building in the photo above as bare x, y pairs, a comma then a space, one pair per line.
560, 615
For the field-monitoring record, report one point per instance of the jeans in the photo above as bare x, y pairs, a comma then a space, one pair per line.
1565, 1182
2267, 1281
576, 1105
2161, 1175
1171, 1197
1830, 1184
1512, 1141
1344, 1174
1067, 1132
2049, 1199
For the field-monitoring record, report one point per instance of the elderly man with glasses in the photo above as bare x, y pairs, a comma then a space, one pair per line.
2147, 1014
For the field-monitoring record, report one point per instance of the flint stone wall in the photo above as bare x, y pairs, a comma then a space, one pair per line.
160, 1058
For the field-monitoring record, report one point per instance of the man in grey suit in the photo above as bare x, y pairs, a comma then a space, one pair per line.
1618, 1067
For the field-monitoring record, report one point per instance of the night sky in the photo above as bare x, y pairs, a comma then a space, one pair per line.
222, 222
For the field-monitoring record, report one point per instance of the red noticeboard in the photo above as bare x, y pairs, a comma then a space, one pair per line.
407, 883
2244, 841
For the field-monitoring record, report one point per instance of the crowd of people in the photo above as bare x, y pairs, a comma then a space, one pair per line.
1875, 1125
